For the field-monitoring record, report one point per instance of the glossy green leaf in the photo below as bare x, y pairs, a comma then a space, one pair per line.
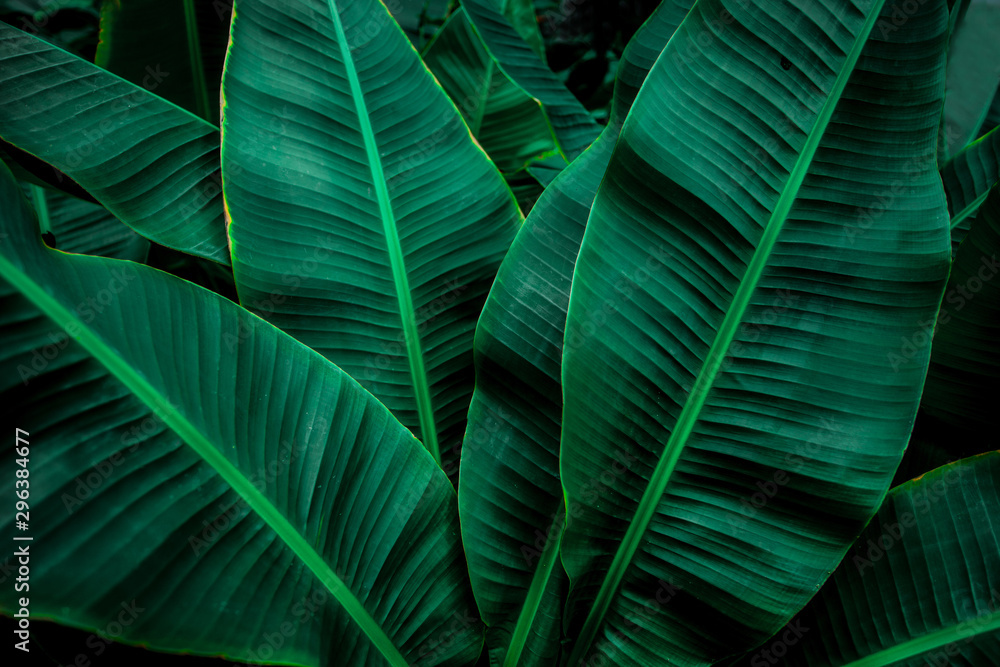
973, 75
965, 360
83, 227
968, 178
365, 221
732, 418
193, 464
184, 41
920, 587
508, 123
574, 127
512, 441
153, 165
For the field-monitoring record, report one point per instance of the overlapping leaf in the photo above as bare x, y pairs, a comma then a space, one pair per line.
965, 361
153, 165
512, 441
574, 127
921, 586
84, 227
509, 124
973, 74
365, 221
968, 178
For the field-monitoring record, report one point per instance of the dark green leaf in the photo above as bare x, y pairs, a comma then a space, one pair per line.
193, 461
732, 412
153, 165
366, 222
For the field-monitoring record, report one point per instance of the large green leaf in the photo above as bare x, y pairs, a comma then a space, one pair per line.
365, 221
744, 279
574, 127
965, 360
968, 178
920, 587
184, 39
973, 75
512, 440
153, 165
189, 459
84, 227
508, 123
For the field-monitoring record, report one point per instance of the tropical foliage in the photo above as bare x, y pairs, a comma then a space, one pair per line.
323, 350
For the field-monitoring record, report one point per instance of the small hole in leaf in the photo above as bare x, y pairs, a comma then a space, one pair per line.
786, 64
50, 239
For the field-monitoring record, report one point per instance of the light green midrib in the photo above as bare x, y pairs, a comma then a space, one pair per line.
716, 354
539, 580
195, 59
929, 642
418, 373
177, 422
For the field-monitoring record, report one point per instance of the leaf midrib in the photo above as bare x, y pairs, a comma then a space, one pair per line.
418, 373
717, 353
202, 446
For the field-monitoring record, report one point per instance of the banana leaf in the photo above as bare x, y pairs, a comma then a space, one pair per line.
573, 125
770, 227
512, 441
968, 178
78, 226
208, 484
965, 362
920, 587
364, 219
153, 165
973, 75
508, 123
